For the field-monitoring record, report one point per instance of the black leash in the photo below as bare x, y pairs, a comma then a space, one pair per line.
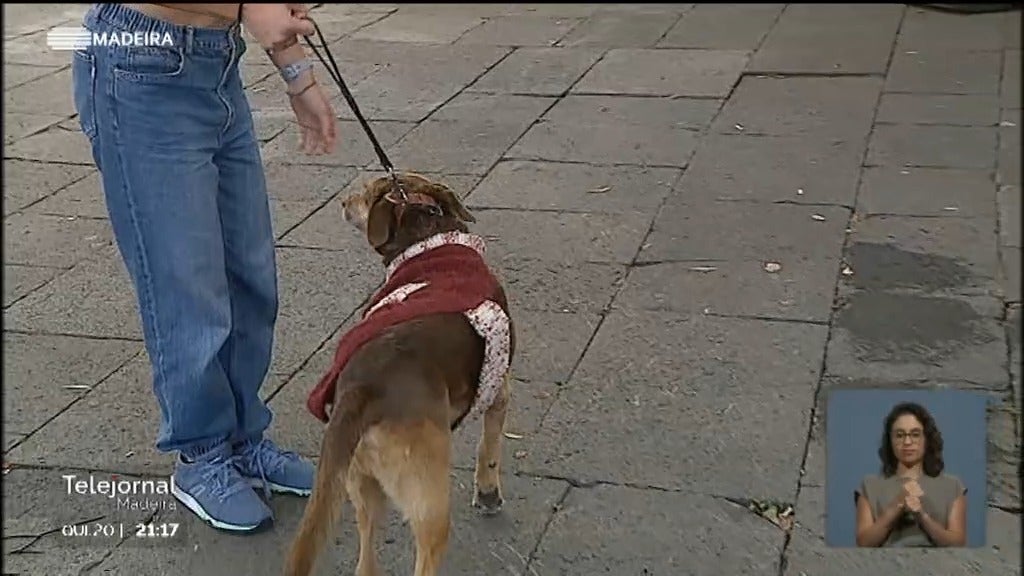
335, 73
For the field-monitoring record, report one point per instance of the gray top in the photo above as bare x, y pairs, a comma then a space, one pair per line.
939, 493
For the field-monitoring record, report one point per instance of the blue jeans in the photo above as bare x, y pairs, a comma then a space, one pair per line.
172, 135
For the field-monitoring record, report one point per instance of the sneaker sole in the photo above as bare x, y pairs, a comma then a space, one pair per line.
279, 488
193, 505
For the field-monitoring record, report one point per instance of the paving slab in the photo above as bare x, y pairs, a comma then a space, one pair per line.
23, 19
1004, 454
620, 29
703, 230
83, 200
808, 554
1010, 94
623, 530
948, 109
28, 182
45, 374
825, 108
932, 146
929, 29
944, 71
846, 38
539, 71
18, 125
935, 255
16, 75
1014, 337
937, 192
95, 298
634, 379
1008, 164
664, 72
907, 336
21, 280
59, 143
51, 93
563, 236
319, 289
723, 26
773, 169
482, 126
520, 30
478, 544
1011, 259
617, 130
55, 241
1009, 201
801, 290
425, 28
538, 283
527, 185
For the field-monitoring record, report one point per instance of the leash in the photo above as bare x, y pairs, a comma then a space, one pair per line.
335, 73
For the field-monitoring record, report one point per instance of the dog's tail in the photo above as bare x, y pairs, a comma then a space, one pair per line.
346, 427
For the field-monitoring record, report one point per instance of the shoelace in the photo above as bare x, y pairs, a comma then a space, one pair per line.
335, 74
225, 480
263, 455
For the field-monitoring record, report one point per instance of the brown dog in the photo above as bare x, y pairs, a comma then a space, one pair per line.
434, 345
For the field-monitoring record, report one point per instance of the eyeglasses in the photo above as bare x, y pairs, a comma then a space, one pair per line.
915, 436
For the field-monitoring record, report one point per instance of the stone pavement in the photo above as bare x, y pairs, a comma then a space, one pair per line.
635, 168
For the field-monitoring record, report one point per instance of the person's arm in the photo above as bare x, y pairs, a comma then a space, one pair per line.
954, 534
871, 531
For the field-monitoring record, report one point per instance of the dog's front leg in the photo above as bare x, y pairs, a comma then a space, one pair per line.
487, 494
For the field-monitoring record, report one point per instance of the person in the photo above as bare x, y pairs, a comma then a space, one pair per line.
913, 502
172, 135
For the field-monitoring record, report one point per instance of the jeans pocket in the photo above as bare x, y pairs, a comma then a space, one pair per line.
83, 82
150, 64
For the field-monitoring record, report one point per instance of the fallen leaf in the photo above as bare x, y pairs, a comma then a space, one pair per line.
129, 454
513, 436
600, 190
542, 395
847, 271
772, 267
739, 127
818, 217
702, 268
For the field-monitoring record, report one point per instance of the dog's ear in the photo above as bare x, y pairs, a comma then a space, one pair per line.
450, 202
380, 222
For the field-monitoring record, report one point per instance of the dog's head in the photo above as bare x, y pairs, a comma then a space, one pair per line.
393, 223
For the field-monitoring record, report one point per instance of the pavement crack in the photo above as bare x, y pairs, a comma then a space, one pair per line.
555, 509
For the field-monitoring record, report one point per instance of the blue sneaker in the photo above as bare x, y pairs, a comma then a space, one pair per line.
277, 470
212, 488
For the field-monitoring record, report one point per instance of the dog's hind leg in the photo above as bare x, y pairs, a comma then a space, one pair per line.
370, 504
414, 470
487, 490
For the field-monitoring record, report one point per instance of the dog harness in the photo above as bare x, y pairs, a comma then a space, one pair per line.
443, 274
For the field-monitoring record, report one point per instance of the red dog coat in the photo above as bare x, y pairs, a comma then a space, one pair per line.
442, 274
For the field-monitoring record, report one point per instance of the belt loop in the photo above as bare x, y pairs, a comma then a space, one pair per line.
189, 38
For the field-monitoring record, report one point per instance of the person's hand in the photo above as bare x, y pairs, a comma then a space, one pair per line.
299, 10
912, 488
274, 24
913, 505
316, 120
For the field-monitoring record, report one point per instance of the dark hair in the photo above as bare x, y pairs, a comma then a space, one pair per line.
933, 463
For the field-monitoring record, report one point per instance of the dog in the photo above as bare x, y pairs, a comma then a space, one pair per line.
433, 348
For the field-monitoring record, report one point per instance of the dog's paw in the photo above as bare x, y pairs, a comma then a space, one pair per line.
488, 502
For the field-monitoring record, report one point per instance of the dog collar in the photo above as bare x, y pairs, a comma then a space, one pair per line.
436, 241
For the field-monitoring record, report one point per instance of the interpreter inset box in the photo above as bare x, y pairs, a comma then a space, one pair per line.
905, 468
